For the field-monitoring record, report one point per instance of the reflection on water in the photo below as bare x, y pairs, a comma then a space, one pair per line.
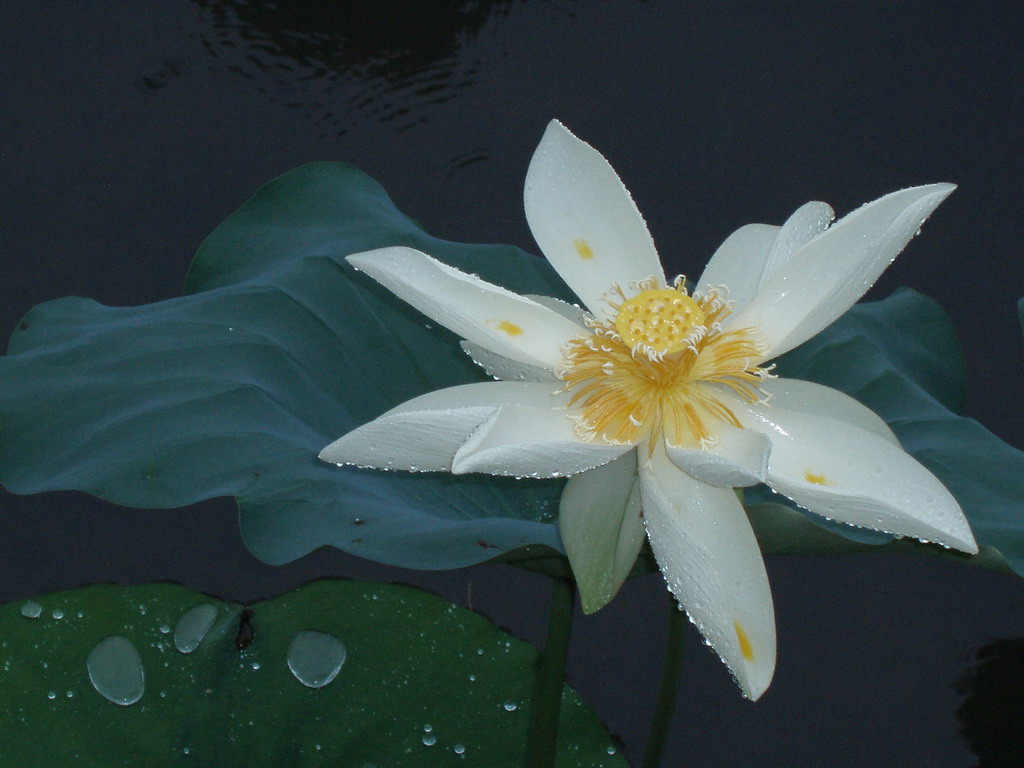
346, 61
992, 713
161, 76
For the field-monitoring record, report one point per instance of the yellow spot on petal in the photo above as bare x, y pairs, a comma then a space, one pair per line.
745, 647
817, 479
583, 249
510, 328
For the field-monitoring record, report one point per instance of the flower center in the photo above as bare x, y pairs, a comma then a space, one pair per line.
661, 320
662, 367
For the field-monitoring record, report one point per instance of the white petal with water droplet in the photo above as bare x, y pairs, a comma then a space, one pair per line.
569, 311
485, 314
524, 441
738, 459
808, 397
584, 220
804, 224
602, 529
707, 552
826, 276
424, 433
739, 260
849, 474
504, 368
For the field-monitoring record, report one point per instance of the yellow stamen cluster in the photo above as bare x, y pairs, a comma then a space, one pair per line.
651, 371
660, 321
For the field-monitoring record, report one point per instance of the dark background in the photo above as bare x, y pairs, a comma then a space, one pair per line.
128, 131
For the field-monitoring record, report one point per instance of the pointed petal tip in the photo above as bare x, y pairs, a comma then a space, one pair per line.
754, 677
333, 453
592, 603
556, 126
754, 693
362, 259
938, 192
967, 544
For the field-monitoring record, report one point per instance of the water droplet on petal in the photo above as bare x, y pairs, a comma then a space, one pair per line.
193, 626
315, 658
115, 670
31, 610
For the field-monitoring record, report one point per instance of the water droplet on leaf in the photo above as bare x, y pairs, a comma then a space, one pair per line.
193, 626
315, 658
115, 670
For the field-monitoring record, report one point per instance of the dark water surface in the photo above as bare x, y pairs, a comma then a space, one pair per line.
126, 136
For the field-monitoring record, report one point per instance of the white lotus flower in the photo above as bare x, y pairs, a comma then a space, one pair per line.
657, 402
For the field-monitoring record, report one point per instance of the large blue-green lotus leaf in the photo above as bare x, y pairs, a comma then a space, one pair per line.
422, 683
279, 347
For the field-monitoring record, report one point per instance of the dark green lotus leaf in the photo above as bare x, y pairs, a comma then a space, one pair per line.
901, 358
278, 348
423, 682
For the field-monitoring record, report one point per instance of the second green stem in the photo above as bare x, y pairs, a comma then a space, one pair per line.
547, 692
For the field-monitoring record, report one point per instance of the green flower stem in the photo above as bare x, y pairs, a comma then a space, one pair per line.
671, 665
547, 691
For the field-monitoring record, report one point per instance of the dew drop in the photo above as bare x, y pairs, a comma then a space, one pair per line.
428, 728
611, 750
193, 626
115, 670
459, 749
57, 613
165, 629
31, 610
315, 658
429, 739
51, 695
510, 706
